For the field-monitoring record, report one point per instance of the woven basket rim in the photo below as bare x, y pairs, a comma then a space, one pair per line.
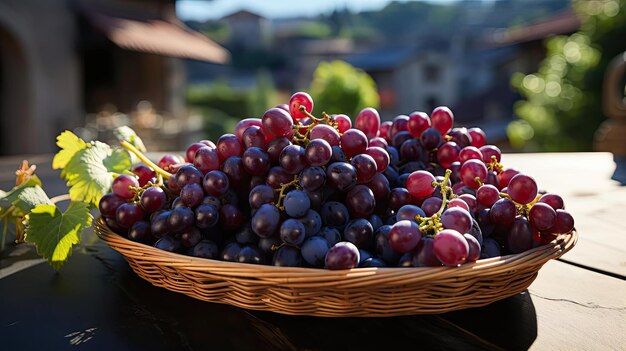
538, 255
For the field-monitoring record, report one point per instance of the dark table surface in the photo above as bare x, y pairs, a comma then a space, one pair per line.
96, 301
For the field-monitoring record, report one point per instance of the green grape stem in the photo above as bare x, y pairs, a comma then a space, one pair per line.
432, 225
304, 139
130, 147
283, 187
494, 165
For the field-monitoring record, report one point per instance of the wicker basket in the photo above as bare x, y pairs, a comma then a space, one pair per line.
361, 292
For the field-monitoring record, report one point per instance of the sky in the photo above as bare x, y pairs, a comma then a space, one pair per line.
203, 10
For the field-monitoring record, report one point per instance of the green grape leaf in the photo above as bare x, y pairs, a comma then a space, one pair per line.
89, 173
70, 144
12, 199
127, 134
29, 198
54, 233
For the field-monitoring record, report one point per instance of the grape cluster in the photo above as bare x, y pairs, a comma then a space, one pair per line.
292, 189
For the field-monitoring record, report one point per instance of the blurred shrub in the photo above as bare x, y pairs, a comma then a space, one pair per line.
338, 87
563, 102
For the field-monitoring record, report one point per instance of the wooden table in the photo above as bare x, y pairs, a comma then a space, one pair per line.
97, 302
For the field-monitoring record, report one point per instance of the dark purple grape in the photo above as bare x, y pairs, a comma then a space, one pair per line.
296, 203
181, 219
207, 216
246, 236
383, 249
167, 243
376, 222
250, 254
268, 245
461, 136
278, 176
431, 205
503, 212
457, 218
394, 155
233, 168
206, 159
312, 222
520, 235
317, 199
412, 150
335, 214
292, 159
360, 202
424, 254
287, 256
380, 187
564, 223
188, 174
431, 138
159, 224
331, 235
127, 214
353, 142
338, 155
215, 183
109, 203
372, 262
292, 232
409, 212
314, 250
230, 252
259, 195
153, 199
490, 248
112, 224
140, 232
121, 186
400, 138
341, 176
255, 161
265, 220
399, 197
404, 236
275, 147
359, 232
450, 247
343, 255
192, 195
231, 217
204, 249
190, 237
318, 152
228, 145
253, 136
312, 178
212, 200
365, 166
474, 248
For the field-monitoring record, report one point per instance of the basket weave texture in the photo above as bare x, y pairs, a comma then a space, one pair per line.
359, 292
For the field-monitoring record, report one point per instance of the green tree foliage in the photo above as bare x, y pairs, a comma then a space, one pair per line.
338, 87
563, 102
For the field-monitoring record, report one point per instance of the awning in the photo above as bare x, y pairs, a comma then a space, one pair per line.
159, 37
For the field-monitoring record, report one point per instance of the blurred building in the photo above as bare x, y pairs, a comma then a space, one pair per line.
60, 60
248, 29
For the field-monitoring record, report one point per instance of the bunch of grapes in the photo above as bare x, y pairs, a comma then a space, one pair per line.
292, 189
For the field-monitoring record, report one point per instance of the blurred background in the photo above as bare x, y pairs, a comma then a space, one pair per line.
529, 72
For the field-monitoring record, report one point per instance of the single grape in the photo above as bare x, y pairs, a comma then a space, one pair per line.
254, 136
418, 122
460, 136
458, 219
277, 123
206, 159
431, 138
420, 184
255, 161
451, 248
228, 146
231, 217
379, 142
343, 122
250, 254
470, 200
394, 156
144, 174
520, 235
168, 160
312, 178
458, 203
215, 183
431, 205
382, 247
522, 189
506, 175
244, 124
167, 243
442, 119
190, 237
230, 252
368, 121
542, 216
376, 221
265, 220
292, 232
292, 159
380, 187
487, 195
159, 224
207, 216
471, 170
489, 151
399, 197
365, 166
212, 200
300, 99
353, 142
503, 212
553, 200
204, 249
359, 232
259, 195
318, 152
424, 254
409, 212
404, 236
341, 176
384, 131
490, 248
191, 195
399, 124
343, 255
187, 174
401, 138
338, 155
296, 203
153, 199
312, 222
140, 232
334, 214
233, 168
109, 203
331, 235
287, 256
326, 132
127, 214
470, 153
181, 219
474, 248
278, 176
479, 139
121, 186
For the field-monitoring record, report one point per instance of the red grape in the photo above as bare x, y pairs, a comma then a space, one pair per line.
506, 175
448, 153
420, 184
228, 145
300, 99
442, 119
384, 131
326, 132
470, 153
277, 123
451, 247
522, 189
472, 169
458, 203
404, 236
555, 201
343, 122
542, 216
399, 124
418, 122
490, 150
368, 121
487, 195
479, 139
318, 152
206, 159
378, 141
353, 142
457, 218
144, 174
379, 155
244, 124
190, 154
121, 186
564, 223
